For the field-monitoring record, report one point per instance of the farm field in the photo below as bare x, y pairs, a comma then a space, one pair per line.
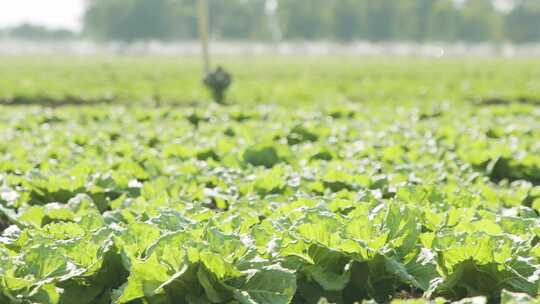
324, 180
281, 80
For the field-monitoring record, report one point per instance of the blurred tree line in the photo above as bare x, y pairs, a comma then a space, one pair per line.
339, 20
36, 32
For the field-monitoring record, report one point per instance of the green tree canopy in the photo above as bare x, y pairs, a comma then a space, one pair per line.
339, 20
523, 23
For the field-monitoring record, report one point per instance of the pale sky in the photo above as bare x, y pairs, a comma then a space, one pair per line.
51, 13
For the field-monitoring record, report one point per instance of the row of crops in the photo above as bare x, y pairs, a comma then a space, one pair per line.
270, 205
